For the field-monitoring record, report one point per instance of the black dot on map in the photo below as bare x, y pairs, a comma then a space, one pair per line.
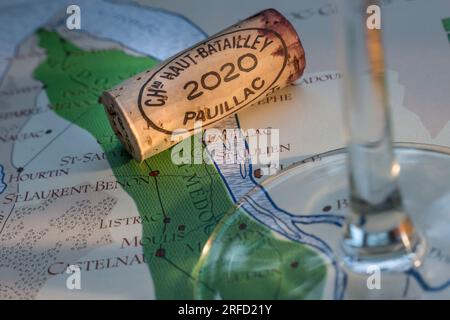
138, 78
326, 208
48, 131
160, 253
181, 227
257, 173
154, 173
294, 264
166, 220
19, 170
242, 226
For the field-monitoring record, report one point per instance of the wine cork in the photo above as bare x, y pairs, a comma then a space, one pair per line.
207, 82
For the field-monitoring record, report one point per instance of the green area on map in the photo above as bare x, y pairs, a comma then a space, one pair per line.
247, 260
446, 23
179, 205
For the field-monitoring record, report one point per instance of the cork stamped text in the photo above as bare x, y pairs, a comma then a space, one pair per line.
199, 87
205, 83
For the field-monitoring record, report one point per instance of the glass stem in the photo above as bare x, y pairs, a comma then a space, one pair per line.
377, 226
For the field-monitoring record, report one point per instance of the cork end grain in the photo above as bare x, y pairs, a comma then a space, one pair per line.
274, 20
121, 125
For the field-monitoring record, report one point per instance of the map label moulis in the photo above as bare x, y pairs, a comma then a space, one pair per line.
207, 82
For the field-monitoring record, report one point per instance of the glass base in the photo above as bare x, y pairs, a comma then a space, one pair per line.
283, 239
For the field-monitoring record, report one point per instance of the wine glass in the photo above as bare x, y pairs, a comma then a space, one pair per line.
371, 221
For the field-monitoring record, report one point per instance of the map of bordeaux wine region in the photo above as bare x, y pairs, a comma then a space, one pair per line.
71, 195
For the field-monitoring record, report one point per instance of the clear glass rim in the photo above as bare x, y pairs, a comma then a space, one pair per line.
205, 256
308, 161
